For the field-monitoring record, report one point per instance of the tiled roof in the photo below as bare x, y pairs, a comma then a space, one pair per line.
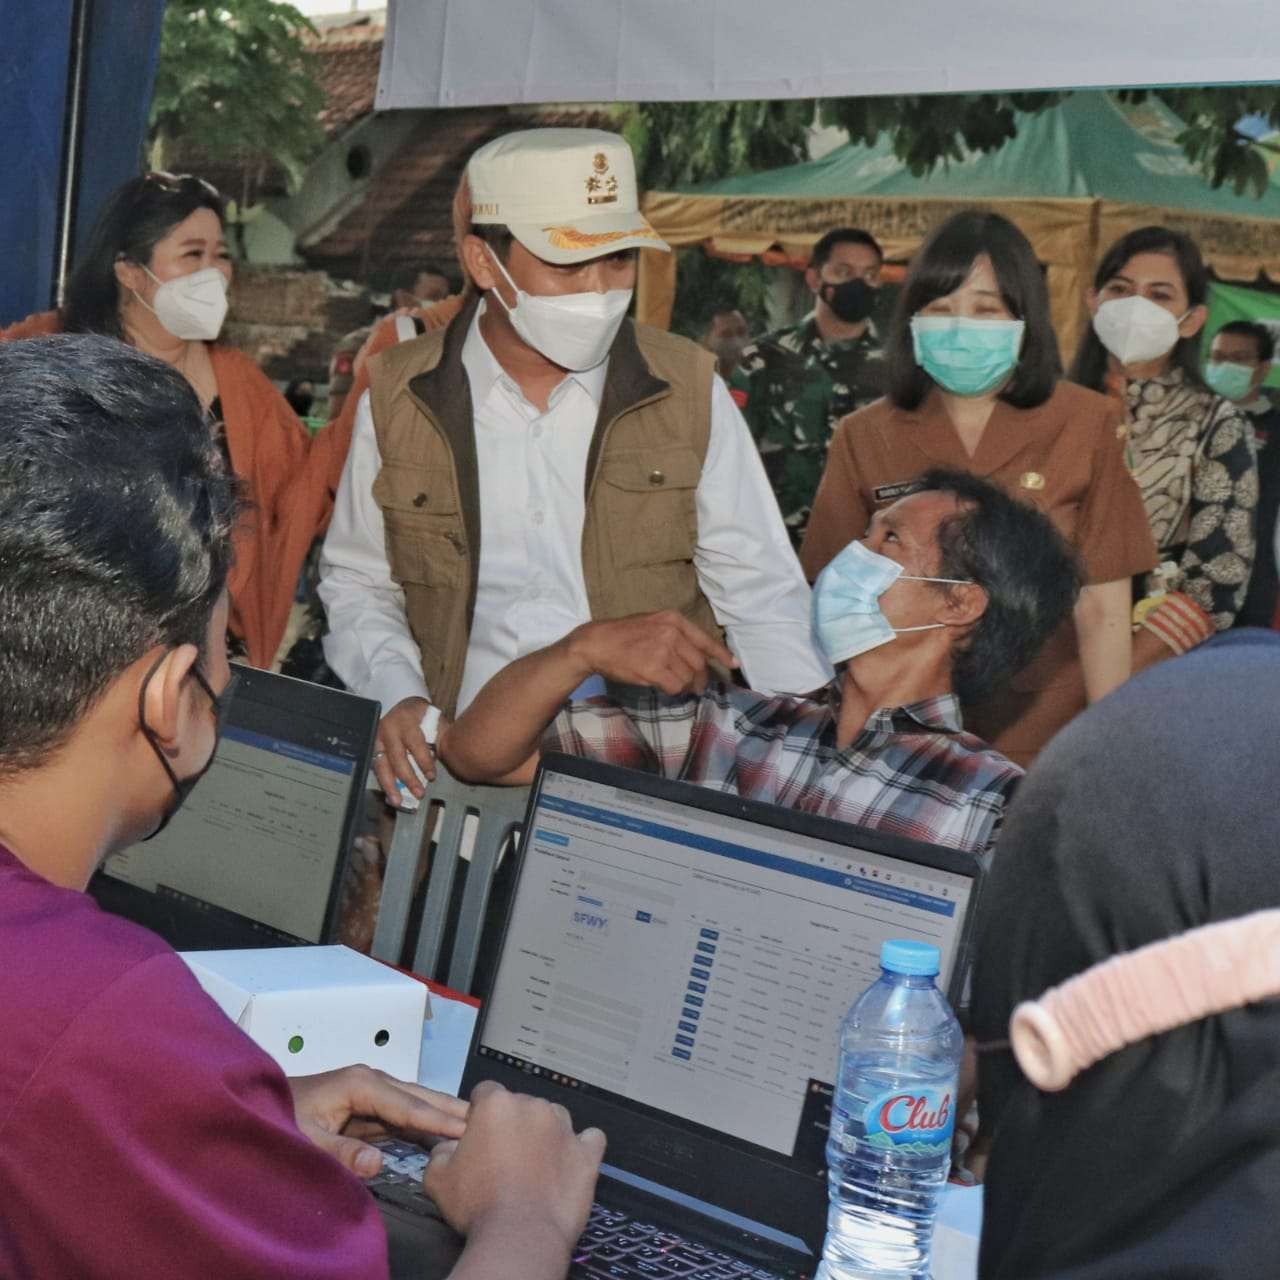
404, 222
346, 54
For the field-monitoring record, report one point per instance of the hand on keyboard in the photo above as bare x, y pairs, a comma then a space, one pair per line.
518, 1184
336, 1109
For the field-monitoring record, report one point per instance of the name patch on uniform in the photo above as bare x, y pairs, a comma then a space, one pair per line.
892, 492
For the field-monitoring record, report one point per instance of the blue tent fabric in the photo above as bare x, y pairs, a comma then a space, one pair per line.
124, 43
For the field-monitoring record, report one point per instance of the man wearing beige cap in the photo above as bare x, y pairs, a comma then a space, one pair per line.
543, 461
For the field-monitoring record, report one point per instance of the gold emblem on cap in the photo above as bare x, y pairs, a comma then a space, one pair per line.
1032, 480
601, 189
572, 238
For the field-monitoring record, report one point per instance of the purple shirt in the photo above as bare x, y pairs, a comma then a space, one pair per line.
142, 1134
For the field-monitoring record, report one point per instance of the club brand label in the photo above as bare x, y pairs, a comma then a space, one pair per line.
912, 1119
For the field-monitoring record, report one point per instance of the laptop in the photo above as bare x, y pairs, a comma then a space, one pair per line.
257, 855
674, 969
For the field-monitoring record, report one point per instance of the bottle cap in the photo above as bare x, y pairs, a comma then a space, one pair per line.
900, 955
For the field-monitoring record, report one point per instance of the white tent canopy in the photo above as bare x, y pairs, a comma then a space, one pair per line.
454, 53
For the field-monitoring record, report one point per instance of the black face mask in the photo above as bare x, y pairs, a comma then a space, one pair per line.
183, 787
852, 301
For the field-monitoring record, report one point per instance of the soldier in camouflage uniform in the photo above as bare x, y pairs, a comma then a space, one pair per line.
802, 380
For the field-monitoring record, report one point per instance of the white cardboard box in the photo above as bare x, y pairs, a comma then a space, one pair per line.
316, 1008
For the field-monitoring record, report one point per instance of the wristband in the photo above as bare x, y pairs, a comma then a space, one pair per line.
1179, 622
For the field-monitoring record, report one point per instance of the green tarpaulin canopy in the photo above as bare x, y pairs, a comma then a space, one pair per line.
1075, 177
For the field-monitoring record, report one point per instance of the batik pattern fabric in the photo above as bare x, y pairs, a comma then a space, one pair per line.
1192, 455
912, 770
798, 389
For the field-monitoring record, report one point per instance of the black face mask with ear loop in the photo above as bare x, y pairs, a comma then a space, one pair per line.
852, 300
183, 787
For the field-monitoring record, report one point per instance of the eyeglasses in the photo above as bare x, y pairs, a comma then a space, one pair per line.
181, 182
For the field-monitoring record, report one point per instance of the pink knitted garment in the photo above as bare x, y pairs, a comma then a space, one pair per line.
1156, 988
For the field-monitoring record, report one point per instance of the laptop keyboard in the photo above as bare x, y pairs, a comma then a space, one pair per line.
614, 1246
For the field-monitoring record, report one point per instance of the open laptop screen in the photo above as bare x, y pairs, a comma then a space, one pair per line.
256, 853
699, 962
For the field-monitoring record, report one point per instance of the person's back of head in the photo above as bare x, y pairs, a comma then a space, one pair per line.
1151, 814
116, 515
1029, 573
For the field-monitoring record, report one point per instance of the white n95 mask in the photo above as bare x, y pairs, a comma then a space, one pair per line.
846, 613
1135, 329
191, 307
573, 330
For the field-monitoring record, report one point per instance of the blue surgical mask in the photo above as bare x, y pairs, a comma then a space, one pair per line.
966, 357
847, 618
1229, 379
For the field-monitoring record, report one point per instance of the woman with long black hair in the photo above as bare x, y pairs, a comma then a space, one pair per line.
155, 275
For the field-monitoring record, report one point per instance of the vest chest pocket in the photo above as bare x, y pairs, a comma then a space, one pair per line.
424, 531
649, 503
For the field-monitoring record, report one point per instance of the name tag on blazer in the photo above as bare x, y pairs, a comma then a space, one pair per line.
892, 492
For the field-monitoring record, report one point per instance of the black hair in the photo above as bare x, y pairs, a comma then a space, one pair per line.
1263, 339
135, 218
300, 401
1089, 368
1017, 556
116, 514
496, 235
842, 235
942, 265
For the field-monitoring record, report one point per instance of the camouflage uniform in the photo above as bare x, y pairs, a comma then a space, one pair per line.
799, 387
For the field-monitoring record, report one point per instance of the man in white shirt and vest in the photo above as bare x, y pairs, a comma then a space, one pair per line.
543, 461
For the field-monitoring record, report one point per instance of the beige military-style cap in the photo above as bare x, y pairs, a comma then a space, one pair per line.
566, 194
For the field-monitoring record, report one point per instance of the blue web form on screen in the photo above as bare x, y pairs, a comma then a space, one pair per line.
697, 963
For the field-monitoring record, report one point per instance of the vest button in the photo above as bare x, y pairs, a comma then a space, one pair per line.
420, 500
657, 478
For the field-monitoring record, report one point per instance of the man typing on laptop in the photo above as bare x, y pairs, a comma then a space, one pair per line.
954, 589
142, 1134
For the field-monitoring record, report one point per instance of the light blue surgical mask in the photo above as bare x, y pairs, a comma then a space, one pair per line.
1229, 379
847, 618
966, 357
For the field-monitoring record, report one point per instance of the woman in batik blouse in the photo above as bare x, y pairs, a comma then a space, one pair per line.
1190, 451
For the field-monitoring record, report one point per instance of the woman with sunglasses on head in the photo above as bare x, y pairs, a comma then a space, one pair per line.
1190, 451
155, 274
974, 383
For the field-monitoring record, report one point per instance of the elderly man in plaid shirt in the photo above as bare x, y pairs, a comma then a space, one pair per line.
984, 581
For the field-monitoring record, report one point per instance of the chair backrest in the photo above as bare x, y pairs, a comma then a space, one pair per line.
499, 812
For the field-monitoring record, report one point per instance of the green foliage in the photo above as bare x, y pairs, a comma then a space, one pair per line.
930, 129
678, 143
1212, 140
233, 83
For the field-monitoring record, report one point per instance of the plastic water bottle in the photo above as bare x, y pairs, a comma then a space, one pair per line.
892, 1117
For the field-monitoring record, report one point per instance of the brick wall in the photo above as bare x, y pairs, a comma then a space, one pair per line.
289, 320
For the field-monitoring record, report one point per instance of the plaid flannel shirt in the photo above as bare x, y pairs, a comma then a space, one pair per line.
913, 770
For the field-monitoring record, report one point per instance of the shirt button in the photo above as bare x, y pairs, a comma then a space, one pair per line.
538, 517
657, 478
537, 431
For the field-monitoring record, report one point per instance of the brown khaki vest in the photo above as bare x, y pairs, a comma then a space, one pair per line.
642, 474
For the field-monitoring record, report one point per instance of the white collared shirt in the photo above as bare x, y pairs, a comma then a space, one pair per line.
531, 590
